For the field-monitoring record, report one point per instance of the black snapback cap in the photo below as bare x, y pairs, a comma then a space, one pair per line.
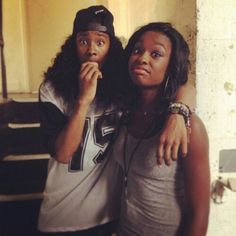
94, 18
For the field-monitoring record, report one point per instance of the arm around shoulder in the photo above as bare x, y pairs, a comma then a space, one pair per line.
174, 136
187, 95
197, 180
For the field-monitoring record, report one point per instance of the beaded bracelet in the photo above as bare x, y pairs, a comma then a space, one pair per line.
182, 109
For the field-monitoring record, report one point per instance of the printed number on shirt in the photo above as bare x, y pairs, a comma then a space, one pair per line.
97, 136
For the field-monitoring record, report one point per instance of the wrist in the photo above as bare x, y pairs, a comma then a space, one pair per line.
81, 106
83, 102
180, 109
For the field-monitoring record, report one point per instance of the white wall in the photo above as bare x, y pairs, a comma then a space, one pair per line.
216, 96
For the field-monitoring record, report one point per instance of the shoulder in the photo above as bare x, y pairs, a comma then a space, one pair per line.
198, 137
196, 165
47, 94
197, 126
46, 91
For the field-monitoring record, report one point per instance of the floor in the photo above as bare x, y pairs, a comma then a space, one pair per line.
19, 218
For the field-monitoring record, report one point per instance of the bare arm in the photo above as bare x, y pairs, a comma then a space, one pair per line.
187, 95
174, 135
197, 181
69, 138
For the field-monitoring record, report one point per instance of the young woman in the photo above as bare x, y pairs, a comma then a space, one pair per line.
81, 103
167, 200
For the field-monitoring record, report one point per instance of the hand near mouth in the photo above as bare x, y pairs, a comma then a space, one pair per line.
88, 76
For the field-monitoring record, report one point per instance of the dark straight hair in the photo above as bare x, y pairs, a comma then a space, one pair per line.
177, 71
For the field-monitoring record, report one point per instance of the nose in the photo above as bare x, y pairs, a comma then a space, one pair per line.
92, 51
143, 58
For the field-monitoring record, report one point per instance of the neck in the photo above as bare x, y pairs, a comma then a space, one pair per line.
148, 100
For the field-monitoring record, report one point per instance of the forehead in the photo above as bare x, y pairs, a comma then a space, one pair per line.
93, 34
156, 38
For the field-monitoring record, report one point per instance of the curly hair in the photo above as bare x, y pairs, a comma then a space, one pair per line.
63, 73
177, 71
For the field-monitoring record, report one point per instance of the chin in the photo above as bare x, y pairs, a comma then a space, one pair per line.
138, 80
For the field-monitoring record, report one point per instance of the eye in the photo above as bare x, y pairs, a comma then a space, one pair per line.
136, 51
100, 42
156, 54
83, 42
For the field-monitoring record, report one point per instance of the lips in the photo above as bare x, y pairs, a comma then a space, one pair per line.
139, 70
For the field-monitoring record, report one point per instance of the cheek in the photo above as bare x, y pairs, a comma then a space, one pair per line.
161, 68
103, 54
130, 62
80, 52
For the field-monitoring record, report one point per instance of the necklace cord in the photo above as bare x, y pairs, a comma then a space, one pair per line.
127, 163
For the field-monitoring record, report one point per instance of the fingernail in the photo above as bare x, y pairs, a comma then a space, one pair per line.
159, 163
168, 163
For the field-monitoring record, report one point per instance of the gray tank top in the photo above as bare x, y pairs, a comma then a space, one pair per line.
153, 201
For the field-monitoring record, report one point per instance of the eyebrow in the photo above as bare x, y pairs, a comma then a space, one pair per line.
160, 44
86, 33
155, 43
102, 34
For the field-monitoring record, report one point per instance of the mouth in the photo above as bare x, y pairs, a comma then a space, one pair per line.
139, 70
91, 59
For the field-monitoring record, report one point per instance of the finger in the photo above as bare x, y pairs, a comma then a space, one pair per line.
167, 154
184, 146
174, 151
100, 75
84, 71
86, 67
160, 160
92, 73
89, 72
95, 75
160, 153
88, 63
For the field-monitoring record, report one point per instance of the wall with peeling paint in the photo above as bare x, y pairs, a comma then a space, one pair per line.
216, 96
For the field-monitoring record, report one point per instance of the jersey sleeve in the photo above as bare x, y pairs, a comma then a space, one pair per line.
52, 117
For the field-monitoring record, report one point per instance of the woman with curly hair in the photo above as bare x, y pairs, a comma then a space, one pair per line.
82, 102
